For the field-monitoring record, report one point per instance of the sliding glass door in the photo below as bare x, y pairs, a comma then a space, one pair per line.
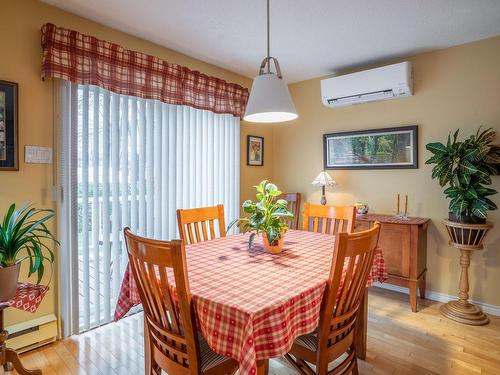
127, 161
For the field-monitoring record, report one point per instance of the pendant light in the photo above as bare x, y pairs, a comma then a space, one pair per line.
270, 100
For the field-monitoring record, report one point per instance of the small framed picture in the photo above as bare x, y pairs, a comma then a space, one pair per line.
255, 150
8, 127
388, 148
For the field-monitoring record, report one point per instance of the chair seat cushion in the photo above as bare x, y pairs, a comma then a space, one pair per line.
208, 357
308, 341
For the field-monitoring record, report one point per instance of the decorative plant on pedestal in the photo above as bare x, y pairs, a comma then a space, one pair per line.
22, 237
267, 217
465, 168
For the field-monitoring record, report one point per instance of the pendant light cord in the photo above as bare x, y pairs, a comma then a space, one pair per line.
267, 60
268, 41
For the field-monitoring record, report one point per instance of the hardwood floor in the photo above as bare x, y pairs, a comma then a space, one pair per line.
399, 342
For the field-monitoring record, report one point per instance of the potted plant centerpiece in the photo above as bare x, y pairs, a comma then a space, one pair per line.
268, 217
22, 237
465, 169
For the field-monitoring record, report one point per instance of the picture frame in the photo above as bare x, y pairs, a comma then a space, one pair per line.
386, 148
255, 150
9, 147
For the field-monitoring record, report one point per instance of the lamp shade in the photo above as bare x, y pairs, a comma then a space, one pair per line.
324, 179
270, 100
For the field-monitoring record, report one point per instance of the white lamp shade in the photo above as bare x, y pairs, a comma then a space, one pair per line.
269, 101
324, 179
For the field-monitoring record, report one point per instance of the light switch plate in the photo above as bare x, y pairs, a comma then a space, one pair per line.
37, 155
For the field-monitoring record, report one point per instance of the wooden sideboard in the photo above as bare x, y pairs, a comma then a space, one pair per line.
404, 245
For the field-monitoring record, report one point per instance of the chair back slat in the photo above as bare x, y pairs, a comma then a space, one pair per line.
353, 255
169, 320
212, 228
328, 219
156, 301
293, 200
174, 327
344, 291
193, 223
204, 230
189, 239
197, 231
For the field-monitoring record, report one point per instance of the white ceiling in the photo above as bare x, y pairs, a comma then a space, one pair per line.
310, 38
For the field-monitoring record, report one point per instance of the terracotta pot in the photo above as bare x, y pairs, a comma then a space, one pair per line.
9, 277
275, 248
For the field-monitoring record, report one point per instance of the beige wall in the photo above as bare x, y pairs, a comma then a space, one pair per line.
20, 61
455, 88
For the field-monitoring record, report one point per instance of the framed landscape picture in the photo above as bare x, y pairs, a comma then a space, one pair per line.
388, 148
255, 150
8, 127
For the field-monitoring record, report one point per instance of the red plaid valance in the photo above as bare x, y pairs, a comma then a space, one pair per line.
83, 59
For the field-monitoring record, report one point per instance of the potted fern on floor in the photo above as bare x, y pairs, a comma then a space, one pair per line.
23, 234
267, 217
465, 169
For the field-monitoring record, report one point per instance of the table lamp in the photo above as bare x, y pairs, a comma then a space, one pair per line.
323, 179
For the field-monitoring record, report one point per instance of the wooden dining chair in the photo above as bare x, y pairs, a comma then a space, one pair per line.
293, 200
170, 326
190, 221
334, 339
328, 219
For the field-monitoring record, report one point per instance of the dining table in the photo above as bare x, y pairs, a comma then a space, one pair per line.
251, 305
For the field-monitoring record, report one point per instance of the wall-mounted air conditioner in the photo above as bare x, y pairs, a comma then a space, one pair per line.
387, 82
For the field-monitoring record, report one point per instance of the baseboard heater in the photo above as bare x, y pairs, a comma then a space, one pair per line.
33, 333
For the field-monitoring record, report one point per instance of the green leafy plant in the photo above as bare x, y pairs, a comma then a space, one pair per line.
268, 214
466, 169
22, 237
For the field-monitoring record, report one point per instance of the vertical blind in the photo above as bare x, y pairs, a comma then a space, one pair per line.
128, 161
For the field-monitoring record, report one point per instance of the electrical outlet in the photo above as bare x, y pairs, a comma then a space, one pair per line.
37, 155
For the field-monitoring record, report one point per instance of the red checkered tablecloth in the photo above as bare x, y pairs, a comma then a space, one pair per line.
28, 297
251, 305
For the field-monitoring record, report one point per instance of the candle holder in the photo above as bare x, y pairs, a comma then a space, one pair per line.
399, 214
